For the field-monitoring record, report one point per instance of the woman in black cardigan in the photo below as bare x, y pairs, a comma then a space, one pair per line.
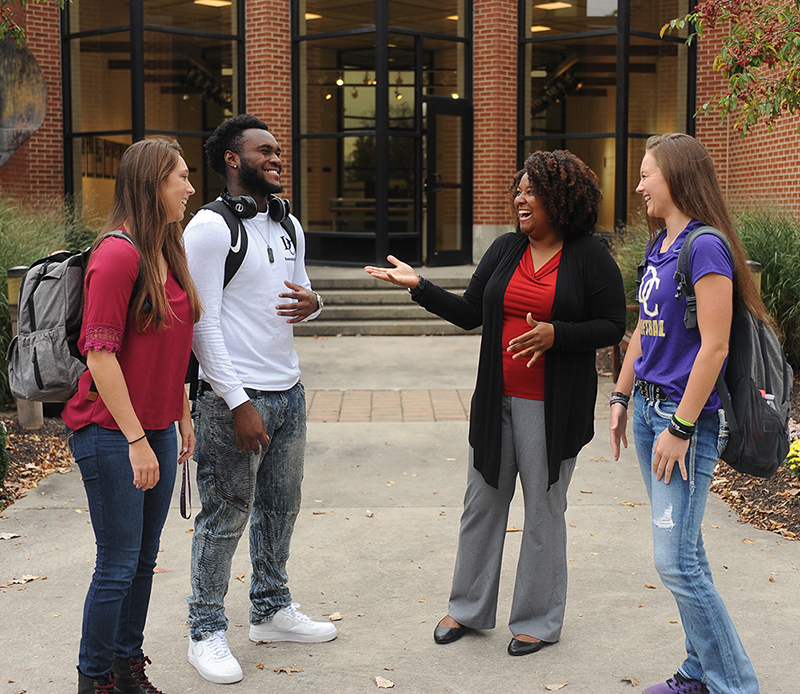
547, 297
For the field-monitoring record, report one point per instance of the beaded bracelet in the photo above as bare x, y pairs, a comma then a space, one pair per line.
680, 429
618, 398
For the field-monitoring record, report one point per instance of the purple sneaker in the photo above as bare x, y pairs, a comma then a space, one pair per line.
678, 684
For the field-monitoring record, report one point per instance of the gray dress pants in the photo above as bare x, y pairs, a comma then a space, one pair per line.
540, 590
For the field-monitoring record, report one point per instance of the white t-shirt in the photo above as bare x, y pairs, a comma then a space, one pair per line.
241, 341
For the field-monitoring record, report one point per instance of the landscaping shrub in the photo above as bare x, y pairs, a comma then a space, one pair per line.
773, 239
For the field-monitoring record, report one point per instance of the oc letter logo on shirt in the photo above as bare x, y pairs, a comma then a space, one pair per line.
650, 282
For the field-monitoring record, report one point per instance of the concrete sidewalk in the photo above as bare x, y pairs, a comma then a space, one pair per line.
376, 540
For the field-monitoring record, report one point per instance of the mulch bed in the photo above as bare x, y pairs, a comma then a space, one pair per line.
772, 504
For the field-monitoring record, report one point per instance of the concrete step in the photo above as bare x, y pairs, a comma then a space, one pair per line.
371, 327
377, 312
364, 297
325, 283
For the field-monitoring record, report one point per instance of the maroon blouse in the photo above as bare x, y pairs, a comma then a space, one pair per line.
153, 363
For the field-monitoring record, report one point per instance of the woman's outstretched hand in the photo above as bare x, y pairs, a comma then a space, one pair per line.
401, 274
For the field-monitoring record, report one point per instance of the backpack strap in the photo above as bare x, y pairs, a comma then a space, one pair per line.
684, 276
238, 250
686, 289
642, 267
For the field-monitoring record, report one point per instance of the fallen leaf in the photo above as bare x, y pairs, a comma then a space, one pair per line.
260, 666
370, 514
318, 513
288, 669
555, 687
240, 577
632, 680
747, 541
583, 491
647, 585
383, 683
600, 459
159, 570
772, 579
336, 616
8, 536
512, 529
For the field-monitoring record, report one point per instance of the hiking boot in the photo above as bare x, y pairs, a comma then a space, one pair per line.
95, 685
678, 684
130, 676
289, 624
214, 660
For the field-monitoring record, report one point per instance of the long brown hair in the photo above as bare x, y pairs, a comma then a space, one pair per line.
693, 186
139, 206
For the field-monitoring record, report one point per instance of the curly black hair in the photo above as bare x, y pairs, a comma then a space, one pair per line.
567, 189
228, 136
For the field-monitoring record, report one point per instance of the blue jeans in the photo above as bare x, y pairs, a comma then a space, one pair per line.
715, 654
127, 525
234, 487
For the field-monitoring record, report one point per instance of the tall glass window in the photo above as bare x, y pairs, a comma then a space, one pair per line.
364, 72
597, 78
145, 67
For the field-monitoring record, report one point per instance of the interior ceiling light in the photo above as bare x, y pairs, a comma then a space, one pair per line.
453, 17
213, 3
553, 6
539, 27
311, 15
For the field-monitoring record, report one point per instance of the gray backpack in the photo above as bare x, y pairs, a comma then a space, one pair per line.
44, 362
756, 391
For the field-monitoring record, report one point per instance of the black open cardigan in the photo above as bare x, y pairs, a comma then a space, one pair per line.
588, 313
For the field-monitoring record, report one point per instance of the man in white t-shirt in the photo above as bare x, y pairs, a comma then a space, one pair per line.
251, 412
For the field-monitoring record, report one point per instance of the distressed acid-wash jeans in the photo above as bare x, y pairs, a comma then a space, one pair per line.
234, 487
715, 654
127, 525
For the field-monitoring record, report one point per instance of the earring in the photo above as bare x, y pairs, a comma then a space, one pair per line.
235, 166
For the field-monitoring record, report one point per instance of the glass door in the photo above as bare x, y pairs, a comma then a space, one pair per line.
448, 181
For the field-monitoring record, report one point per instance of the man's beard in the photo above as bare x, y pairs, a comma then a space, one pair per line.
252, 181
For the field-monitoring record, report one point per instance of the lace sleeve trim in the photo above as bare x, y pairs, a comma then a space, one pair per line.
103, 336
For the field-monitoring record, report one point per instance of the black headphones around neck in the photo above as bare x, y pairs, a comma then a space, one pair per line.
245, 207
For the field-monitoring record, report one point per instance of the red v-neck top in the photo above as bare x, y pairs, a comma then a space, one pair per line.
531, 292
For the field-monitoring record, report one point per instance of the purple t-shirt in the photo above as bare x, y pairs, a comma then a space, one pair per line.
668, 348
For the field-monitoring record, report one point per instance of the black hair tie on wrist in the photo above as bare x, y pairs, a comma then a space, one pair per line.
618, 398
679, 429
143, 436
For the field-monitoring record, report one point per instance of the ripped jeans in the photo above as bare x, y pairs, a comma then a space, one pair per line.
715, 654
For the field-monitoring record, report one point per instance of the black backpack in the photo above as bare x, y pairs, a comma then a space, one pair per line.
756, 392
233, 262
44, 362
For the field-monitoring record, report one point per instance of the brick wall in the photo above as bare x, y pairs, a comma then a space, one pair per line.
761, 169
495, 96
268, 45
37, 167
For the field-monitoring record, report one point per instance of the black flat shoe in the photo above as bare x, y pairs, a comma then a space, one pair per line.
517, 647
448, 634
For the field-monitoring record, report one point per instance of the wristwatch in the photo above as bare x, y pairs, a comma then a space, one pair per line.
319, 301
420, 286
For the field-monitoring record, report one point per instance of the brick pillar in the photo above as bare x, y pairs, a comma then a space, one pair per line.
495, 98
268, 54
37, 167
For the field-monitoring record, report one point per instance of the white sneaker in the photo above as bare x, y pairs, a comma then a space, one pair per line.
214, 660
289, 624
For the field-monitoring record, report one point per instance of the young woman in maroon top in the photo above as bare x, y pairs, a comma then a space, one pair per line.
547, 297
140, 306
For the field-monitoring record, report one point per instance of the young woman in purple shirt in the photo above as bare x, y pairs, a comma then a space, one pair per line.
678, 425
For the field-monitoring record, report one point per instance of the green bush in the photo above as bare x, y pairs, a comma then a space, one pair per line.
28, 232
628, 250
773, 239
